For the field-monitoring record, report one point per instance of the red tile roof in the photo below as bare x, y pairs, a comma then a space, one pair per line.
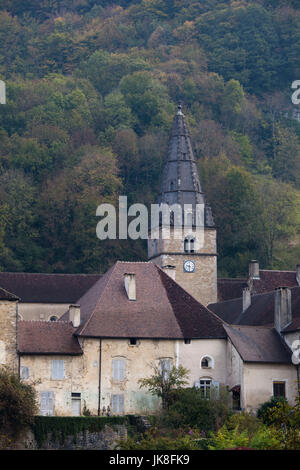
162, 308
47, 288
40, 337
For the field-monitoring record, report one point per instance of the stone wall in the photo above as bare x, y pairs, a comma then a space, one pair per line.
105, 439
202, 283
8, 334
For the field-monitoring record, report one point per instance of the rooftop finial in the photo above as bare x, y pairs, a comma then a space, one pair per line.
180, 110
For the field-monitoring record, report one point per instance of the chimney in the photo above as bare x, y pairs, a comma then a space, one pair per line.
254, 270
298, 274
283, 308
246, 298
170, 270
130, 285
74, 315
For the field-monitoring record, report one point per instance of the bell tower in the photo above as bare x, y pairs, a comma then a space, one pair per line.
192, 251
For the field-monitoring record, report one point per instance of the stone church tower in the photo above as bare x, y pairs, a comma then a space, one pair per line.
189, 256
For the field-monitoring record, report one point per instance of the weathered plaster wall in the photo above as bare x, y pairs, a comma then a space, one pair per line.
81, 376
138, 365
40, 311
258, 382
190, 355
8, 334
235, 367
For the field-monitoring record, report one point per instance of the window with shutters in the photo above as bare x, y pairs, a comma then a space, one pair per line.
117, 404
165, 367
118, 369
47, 403
24, 373
57, 370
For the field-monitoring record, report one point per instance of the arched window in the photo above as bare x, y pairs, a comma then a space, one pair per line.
207, 362
53, 318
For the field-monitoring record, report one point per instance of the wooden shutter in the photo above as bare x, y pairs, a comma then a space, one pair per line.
24, 373
216, 387
57, 369
117, 403
118, 369
47, 403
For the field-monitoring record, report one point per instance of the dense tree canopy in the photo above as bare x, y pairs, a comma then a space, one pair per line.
92, 87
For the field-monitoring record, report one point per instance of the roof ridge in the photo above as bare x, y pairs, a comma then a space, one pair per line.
218, 319
113, 267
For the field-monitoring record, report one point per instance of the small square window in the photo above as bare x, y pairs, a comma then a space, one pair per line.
133, 341
187, 341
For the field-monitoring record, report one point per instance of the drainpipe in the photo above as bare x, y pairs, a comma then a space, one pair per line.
19, 357
99, 387
177, 354
298, 380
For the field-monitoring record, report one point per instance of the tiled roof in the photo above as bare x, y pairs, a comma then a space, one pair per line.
270, 280
162, 308
5, 295
260, 312
47, 288
40, 337
259, 344
230, 288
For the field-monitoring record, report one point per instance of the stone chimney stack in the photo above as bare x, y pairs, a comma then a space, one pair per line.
298, 274
246, 298
170, 270
130, 285
283, 308
254, 270
74, 315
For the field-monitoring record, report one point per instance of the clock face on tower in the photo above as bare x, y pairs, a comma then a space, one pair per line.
189, 266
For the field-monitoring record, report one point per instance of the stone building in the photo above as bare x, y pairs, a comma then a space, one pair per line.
85, 341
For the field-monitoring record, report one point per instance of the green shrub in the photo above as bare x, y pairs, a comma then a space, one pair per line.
264, 410
188, 408
265, 439
154, 440
244, 422
228, 439
17, 403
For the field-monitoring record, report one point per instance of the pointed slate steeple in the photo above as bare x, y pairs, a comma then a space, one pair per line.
180, 180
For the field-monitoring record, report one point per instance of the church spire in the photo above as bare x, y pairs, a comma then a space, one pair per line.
180, 180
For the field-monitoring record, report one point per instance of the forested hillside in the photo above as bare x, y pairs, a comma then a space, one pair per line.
92, 87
